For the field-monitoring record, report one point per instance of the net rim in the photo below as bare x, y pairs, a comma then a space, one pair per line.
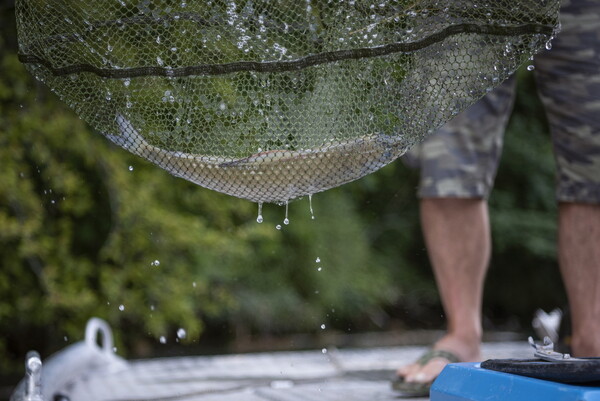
311, 60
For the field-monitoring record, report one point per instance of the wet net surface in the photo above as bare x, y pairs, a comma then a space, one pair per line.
274, 100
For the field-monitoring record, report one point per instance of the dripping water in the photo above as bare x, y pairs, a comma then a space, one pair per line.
286, 221
259, 219
312, 213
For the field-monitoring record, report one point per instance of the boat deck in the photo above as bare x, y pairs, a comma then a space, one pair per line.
334, 375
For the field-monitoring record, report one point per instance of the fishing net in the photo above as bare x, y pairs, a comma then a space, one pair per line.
274, 100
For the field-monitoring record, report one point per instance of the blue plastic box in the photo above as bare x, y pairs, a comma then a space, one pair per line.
469, 382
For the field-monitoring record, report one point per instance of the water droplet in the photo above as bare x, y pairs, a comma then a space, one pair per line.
549, 45
162, 340
194, 284
312, 213
324, 350
115, 349
159, 61
319, 269
152, 307
181, 333
109, 48
259, 219
530, 67
286, 221
278, 226
66, 338
323, 327
126, 82
121, 307
318, 260
155, 263
130, 168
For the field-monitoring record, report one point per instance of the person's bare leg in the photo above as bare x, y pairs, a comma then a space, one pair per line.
579, 257
457, 234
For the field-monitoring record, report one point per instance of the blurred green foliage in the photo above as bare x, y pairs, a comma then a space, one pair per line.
80, 233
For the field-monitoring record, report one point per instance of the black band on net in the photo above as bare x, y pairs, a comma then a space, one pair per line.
290, 65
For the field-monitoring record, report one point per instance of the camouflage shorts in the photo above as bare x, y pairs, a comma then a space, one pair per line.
461, 159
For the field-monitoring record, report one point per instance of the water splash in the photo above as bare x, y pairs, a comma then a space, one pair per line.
259, 219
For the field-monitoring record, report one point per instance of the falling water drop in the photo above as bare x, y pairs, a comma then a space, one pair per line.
181, 333
318, 260
121, 307
259, 219
130, 168
162, 340
323, 326
278, 226
324, 350
312, 213
549, 45
530, 67
286, 221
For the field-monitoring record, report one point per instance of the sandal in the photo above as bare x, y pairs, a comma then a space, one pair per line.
421, 389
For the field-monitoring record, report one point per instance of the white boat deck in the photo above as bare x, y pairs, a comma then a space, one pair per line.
336, 375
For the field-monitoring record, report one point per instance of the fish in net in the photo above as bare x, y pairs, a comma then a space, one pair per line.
272, 100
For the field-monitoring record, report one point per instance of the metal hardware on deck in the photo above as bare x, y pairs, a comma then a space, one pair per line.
546, 352
33, 369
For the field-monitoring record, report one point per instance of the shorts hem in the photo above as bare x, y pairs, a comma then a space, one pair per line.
579, 193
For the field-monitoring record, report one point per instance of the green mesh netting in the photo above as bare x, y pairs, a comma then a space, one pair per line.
274, 100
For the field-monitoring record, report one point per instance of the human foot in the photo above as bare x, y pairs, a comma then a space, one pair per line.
585, 346
420, 374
